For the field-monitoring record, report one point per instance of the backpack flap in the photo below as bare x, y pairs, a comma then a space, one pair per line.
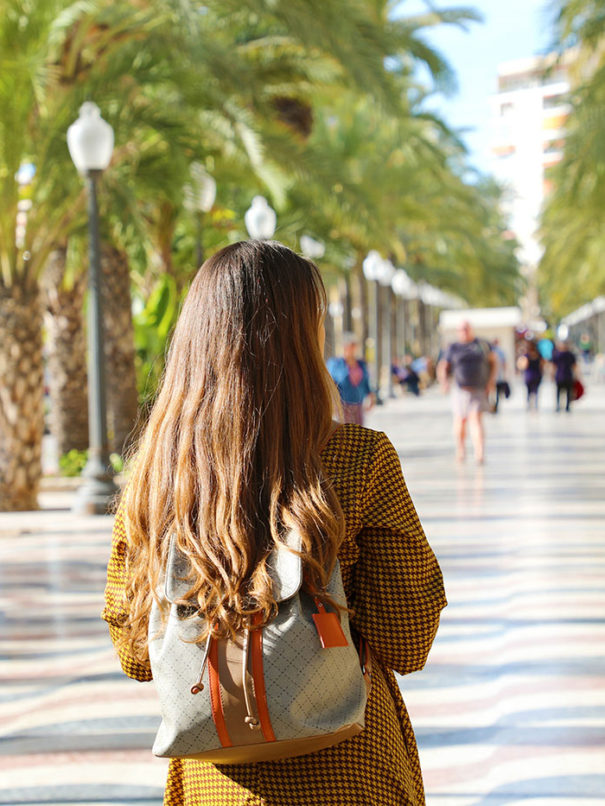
176, 584
285, 567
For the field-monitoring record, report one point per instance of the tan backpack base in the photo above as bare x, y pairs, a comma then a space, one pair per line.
274, 751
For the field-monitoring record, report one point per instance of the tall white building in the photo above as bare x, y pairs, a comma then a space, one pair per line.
529, 113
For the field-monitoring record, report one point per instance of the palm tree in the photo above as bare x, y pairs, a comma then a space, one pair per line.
571, 271
46, 52
238, 86
24, 65
395, 185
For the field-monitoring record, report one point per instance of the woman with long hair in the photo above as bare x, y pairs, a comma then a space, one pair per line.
241, 446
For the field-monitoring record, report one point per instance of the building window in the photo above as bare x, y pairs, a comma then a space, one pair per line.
503, 150
550, 101
554, 122
554, 146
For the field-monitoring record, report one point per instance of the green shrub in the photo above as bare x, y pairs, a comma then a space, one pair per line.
72, 463
117, 462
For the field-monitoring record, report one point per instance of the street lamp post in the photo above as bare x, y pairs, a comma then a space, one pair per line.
199, 195
403, 288
422, 318
387, 272
260, 219
431, 297
334, 327
348, 264
372, 266
90, 142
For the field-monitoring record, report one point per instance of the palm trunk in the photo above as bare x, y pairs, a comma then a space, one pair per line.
421, 327
66, 344
122, 396
21, 397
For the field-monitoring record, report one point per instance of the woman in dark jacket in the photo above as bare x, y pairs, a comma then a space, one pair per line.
532, 366
565, 366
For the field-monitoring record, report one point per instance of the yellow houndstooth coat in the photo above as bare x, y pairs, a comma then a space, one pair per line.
395, 588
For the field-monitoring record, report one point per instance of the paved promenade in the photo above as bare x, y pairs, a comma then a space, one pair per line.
511, 705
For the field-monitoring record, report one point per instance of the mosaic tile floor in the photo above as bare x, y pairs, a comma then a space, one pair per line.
511, 705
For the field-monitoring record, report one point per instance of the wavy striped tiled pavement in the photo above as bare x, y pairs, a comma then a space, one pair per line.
511, 706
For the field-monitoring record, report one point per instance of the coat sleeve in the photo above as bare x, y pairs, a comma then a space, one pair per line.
398, 585
116, 611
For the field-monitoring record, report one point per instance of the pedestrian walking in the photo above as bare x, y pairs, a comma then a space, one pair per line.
585, 345
531, 364
351, 376
474, 367
239, 453
502, 385
546, 346
565, 365
405, 375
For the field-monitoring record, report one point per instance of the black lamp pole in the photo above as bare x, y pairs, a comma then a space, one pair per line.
98, 488
377, 340
389, 341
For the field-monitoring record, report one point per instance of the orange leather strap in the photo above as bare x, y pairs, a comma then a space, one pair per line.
328, 627
215, 697
258, 675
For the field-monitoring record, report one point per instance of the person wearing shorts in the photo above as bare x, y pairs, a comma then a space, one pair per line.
474, 367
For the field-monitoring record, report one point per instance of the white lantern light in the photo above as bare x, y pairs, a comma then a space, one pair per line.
431, 296
90, 140
401, 284
372, 265
311, 248
201, 193
387, 272
260, 219
425, 293
442, 300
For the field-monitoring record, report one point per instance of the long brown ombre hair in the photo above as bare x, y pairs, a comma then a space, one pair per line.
230, 458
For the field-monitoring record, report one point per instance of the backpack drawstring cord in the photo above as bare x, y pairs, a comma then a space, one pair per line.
250, 720
199, 685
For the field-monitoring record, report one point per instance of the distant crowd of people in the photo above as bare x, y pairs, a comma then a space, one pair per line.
481, 378
475, 370
539, 357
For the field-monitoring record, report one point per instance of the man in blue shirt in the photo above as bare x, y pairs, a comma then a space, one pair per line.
350, 374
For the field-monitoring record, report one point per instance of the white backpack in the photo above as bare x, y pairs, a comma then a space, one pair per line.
292, 687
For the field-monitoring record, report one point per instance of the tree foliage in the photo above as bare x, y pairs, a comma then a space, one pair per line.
315, 103
572, 270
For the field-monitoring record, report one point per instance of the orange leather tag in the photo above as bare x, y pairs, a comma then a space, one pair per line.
329, 629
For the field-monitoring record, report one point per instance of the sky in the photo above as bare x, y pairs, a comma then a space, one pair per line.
512, 29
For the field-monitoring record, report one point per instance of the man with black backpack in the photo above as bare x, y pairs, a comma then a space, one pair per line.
474, 367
